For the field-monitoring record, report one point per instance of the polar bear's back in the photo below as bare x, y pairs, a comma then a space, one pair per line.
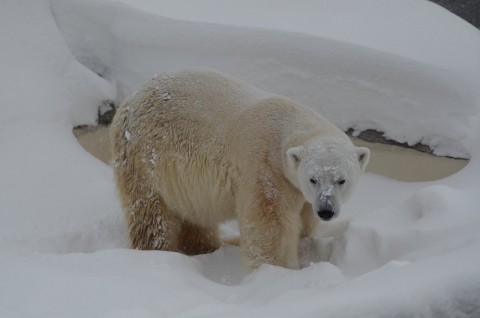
195, 111
205, 96
198, 106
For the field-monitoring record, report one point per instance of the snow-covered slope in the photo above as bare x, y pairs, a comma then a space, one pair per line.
344, 81
399, 250
405, 28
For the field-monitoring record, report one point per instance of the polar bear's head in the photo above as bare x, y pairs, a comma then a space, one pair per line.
326, 172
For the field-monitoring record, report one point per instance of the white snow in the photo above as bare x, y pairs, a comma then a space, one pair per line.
408, 68
387, 26
343, 80
128, 135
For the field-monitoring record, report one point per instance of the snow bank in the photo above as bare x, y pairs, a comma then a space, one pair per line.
347, 83
400, 249
419, 30
51, 190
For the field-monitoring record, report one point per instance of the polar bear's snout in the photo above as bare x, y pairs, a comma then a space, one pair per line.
326, 214
326, 207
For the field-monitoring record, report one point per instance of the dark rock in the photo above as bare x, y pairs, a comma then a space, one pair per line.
378, 137
106, 111
469, 10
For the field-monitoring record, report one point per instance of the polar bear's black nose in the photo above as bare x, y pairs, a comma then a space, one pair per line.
326, 214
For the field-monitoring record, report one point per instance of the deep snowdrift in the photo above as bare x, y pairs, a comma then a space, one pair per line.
399, 249
346, 82
405, 28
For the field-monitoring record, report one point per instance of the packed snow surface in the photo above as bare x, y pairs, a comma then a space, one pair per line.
408, 68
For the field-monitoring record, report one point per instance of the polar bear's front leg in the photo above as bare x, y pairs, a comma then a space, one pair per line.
269, 233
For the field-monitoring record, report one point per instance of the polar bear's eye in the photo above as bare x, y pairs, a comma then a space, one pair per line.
313, 181
341, 182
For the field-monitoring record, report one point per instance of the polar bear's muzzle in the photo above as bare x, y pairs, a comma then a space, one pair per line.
326, 207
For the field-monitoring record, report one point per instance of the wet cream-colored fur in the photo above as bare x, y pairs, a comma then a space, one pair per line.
195, 148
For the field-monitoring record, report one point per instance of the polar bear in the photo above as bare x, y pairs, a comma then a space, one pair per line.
196, 147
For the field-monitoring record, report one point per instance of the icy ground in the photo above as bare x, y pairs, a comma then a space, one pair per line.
406, 67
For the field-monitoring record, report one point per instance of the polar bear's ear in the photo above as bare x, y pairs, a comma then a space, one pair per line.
363, 155
293, 156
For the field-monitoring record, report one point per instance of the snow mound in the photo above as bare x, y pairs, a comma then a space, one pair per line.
419, 30
413, 100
